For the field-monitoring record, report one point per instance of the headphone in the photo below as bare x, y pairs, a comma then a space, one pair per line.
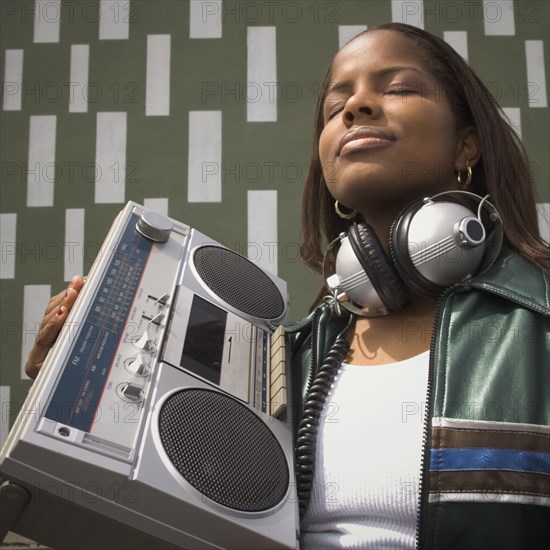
435, 242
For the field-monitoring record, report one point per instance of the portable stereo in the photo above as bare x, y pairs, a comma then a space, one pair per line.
161, 417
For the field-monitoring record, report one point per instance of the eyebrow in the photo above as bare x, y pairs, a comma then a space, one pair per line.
346, 84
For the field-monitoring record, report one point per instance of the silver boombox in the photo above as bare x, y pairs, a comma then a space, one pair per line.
161, 417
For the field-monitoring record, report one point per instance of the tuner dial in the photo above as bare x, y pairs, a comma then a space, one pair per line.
154, 226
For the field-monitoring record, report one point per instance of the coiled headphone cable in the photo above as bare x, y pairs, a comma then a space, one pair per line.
308, 426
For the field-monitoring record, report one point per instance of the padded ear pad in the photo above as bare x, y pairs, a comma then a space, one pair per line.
399, 250
382, 274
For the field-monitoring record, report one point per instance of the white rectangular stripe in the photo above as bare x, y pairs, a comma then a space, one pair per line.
110, 157
5, 412
459, 41
47, 18
468, 424
408, 11
347, 32
543, 211
536, 77
205, 19
262, 229
41, 167
8, 228
157, 205
157, 102
74, 243
78, 88
488, 497
498, 18
35, 300
514, 118
261, 89
114, 19
13, 80
204, 181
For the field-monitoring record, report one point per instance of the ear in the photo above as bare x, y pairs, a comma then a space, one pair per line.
468, 149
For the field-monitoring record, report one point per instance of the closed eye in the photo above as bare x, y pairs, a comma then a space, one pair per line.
401, 91
335, 112
333, 106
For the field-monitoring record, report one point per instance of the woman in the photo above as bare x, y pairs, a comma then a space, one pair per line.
433, 429
402, 117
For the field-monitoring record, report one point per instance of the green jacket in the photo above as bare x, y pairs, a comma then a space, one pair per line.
486, 466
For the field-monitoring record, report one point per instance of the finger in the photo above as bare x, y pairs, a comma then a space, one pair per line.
45, 338
55, 302
60, 299
77, 283
56, 314
52, 319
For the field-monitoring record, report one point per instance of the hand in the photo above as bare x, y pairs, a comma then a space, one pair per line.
55, 315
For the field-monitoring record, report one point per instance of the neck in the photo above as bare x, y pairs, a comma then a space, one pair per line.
396, 336
381, 223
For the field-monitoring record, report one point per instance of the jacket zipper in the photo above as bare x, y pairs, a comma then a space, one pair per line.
428, 408
424, 461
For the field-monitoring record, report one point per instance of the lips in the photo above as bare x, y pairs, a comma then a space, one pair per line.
364, 137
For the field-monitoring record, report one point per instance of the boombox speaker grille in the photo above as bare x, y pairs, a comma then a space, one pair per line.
223, 450
239, 282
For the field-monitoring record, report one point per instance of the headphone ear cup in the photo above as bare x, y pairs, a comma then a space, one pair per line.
380, 271
435, 244
400, 253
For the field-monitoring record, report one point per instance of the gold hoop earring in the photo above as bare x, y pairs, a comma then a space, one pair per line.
344, 216
468, 178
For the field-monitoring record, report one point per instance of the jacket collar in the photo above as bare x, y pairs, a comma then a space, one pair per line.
515, 278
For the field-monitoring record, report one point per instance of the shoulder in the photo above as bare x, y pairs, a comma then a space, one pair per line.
514, 278
322, 326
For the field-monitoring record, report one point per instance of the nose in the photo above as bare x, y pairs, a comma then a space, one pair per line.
360, 105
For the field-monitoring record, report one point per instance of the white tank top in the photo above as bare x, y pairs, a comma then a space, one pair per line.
367, 464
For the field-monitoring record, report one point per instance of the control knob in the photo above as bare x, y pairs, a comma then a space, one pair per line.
145, 343
137, 366
132, 393
154, 226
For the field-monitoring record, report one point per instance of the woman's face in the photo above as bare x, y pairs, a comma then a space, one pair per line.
389, 133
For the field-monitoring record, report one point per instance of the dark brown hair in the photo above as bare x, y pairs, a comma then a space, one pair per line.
502, 171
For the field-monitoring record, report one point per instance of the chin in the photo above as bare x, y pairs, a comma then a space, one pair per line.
364, 189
